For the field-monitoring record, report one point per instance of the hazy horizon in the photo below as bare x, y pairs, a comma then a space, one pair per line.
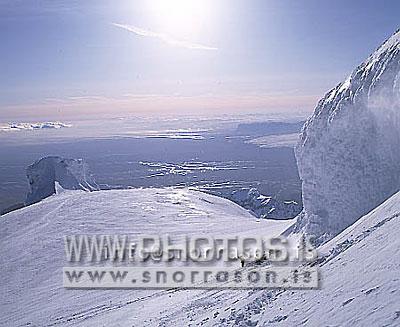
71, 59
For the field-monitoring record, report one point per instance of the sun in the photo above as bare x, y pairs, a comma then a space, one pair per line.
180, 17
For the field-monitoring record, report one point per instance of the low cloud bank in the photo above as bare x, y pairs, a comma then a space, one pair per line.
33, 126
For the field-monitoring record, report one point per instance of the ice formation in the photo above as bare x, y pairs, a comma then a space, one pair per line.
68, 174
349, 149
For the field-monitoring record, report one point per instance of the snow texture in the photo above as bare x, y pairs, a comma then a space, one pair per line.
69, 174
348, 153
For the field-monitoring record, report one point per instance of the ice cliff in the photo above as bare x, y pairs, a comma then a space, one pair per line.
46, 173
349, 149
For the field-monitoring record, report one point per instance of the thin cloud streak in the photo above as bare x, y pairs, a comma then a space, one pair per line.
164, 37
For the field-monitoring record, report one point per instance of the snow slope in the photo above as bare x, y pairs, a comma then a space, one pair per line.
360, 268
361, 277
32, 250
348, 154
360, 272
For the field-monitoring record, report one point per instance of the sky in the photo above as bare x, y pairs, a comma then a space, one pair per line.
75, 58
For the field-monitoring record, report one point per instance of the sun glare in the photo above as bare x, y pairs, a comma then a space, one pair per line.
180, 17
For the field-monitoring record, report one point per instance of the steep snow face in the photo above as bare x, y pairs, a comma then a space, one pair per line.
265, 206
71, 174
360, 277
348, 153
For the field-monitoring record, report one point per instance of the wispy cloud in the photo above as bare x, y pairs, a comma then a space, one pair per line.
164, 38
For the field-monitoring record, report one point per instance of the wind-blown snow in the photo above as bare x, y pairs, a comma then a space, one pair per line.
69, 174
348, 154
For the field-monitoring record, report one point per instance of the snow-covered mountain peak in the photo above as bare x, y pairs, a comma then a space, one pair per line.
391, 43
348, 154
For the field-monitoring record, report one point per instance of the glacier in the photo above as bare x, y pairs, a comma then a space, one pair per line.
70, 174
348, 153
